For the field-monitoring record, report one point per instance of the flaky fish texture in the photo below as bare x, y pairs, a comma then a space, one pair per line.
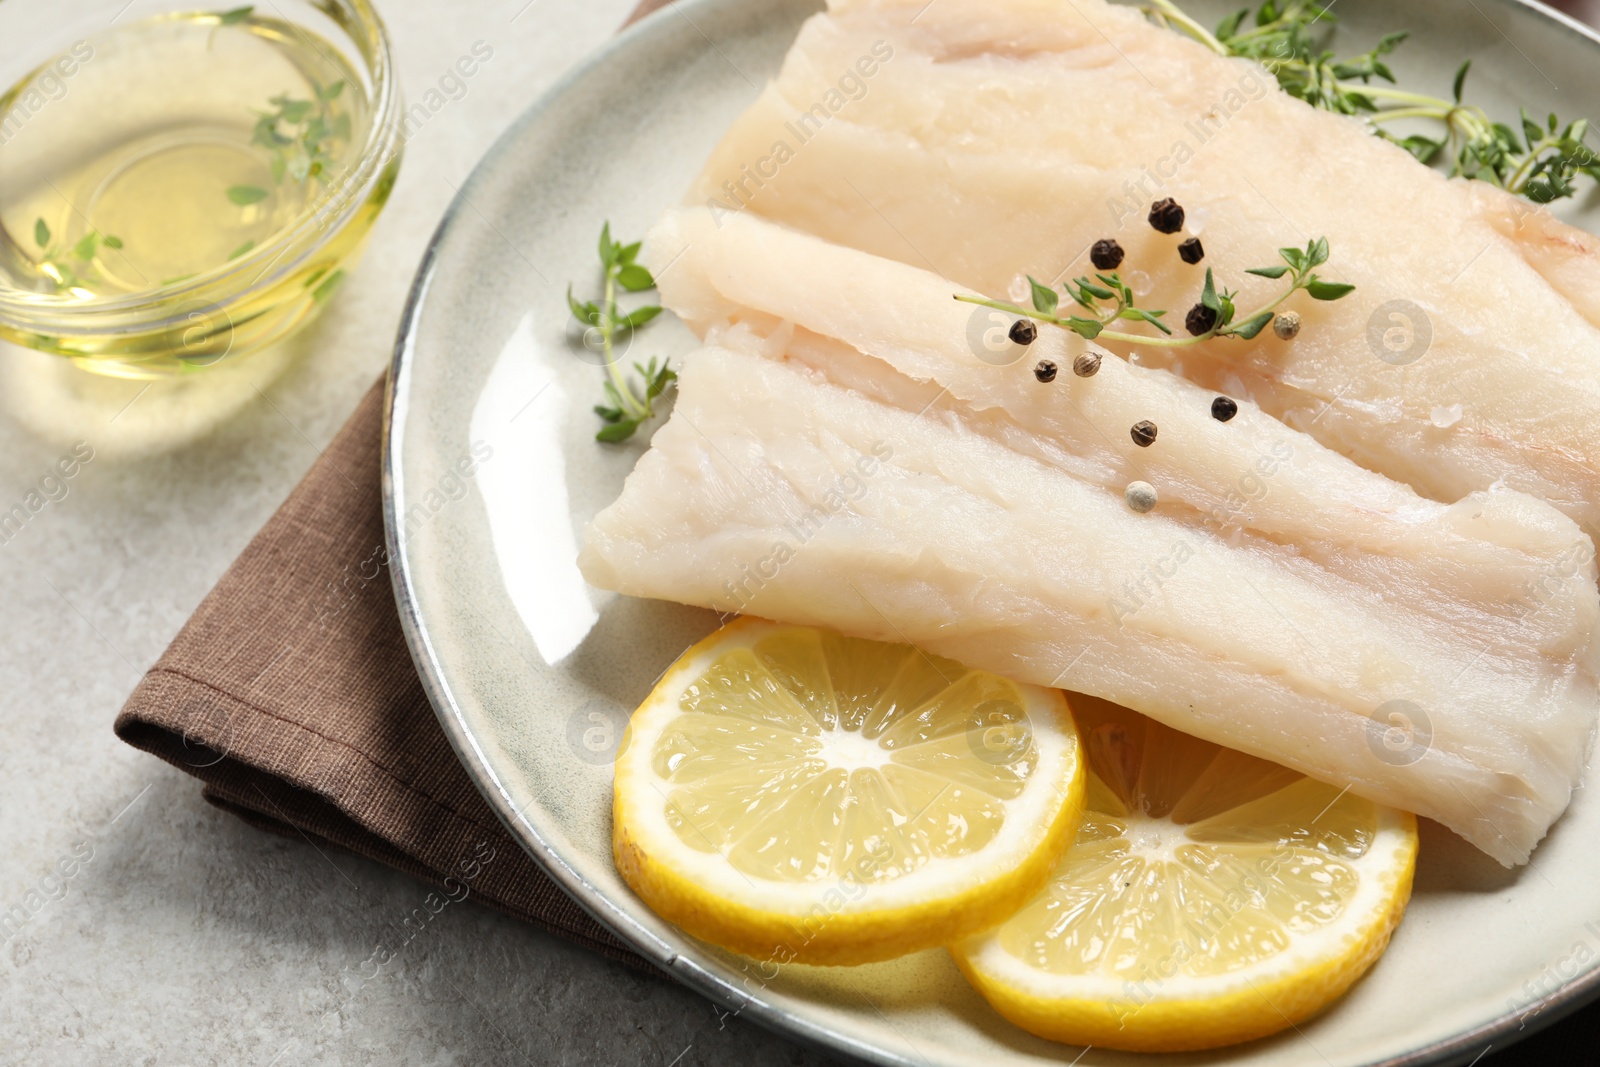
988, 139
840, 456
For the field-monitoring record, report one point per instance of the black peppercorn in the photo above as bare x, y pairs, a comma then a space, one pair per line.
1106, 255
1143, 433
1192, 251
1086, 365
1166, 216
1024, 332
1045, 371
1201, 320
1223, 409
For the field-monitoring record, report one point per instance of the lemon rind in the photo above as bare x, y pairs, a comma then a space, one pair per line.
837, 921
1186, 1013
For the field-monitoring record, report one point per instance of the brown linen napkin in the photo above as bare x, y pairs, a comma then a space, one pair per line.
292, 696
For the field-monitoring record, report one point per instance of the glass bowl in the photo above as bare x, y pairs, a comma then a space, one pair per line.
79, 289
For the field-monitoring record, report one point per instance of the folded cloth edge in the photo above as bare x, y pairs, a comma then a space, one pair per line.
366, 766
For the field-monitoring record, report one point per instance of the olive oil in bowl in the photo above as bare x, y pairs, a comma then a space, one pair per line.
195, 192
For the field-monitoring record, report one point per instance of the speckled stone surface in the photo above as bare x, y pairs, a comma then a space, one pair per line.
179, 935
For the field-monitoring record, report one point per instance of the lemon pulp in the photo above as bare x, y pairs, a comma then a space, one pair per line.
1210, 897
778, 770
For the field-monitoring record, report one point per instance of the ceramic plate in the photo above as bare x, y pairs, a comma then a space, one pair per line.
492, 472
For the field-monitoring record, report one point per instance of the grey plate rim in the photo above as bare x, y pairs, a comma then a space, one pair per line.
1543, 1013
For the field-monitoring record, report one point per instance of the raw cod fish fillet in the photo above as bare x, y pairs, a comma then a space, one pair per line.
838, 456
1002, 137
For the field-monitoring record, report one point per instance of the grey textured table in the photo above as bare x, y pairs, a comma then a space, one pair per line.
186, 937
183, 936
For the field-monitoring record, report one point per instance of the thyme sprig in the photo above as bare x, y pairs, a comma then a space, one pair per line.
297, 135
1289, 38
629, 406
1111, 301
70, 266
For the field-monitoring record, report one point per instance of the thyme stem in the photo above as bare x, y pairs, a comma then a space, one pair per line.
1111, 300
1542, 163
1173, 13
628, 407
1219, 330
608, 326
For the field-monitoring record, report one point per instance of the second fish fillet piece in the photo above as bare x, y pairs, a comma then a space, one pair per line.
839, 457
996, 138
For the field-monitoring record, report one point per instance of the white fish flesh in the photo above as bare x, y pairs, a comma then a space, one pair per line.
840, 456
997, 138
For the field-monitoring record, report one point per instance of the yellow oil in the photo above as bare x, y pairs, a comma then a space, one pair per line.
179, 145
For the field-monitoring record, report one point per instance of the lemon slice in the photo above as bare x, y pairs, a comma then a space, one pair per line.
1210, 898
799, 796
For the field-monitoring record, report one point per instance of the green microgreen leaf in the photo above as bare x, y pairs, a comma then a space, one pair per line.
245, 195
1085, 328
617, 431
1317, 253
635, 278
1229, 27
87, 245
1531, 128
1425, 149
1208, 295
1320, 290
235, 254
41, 233
1225, 311
638, 317
1268, 272
585, 312
1152, 317
1249, 328
235, 16
1119, 287
1095, 290
1045, 298
112, 242
662, 381
1459, 87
